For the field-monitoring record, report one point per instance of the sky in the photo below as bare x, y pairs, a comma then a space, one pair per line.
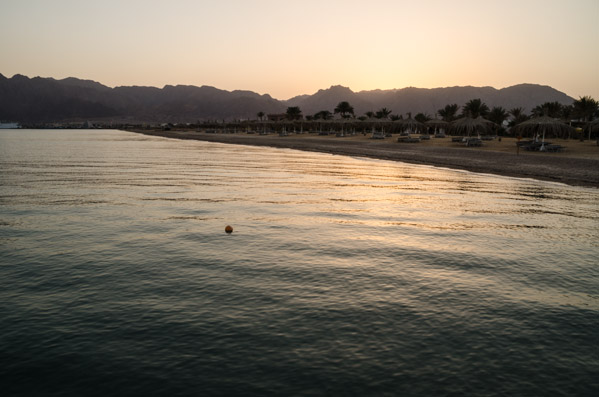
288, 48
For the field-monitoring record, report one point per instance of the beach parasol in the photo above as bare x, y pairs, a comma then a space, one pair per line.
323, 126
469, 125
375, 124
593, 126
437, 124
543, 124
409, 124
378, 123
347, 125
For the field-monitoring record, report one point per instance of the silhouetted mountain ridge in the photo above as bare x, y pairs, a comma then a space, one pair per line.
38, 99
429, 100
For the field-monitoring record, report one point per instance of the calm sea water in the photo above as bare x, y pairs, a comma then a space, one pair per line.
343, 276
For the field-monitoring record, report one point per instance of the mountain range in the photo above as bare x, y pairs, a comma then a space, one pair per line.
24, 99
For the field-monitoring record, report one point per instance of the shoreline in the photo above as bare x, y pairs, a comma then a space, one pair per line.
495, 158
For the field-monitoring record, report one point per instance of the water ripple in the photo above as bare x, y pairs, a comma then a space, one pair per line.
343, 276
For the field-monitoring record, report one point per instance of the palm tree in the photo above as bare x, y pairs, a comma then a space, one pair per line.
369, 114
518, 116
549, 109
567, 115
382, 113
449, 112
422, 117
345, 109
498, 115
567, 112
294, 113
323, 115
585, 108
260, 115
475, 108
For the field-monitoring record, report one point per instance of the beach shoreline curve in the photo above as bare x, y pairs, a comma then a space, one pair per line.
569, 170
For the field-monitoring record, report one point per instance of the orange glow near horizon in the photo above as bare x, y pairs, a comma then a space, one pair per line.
286, 49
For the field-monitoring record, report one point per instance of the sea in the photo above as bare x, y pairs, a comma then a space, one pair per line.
343, 276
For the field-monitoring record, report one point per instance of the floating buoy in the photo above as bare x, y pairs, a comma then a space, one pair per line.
229, 229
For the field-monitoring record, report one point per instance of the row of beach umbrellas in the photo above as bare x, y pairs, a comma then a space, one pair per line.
539, 126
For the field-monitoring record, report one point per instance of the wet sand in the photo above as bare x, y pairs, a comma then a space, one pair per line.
577, 165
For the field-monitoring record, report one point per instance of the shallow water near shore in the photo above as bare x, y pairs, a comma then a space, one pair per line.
343, 276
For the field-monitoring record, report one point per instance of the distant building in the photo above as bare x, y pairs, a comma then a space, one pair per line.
9, 125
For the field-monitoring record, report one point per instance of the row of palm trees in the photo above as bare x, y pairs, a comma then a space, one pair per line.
583, 110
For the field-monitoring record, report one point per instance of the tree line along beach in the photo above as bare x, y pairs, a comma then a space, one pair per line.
539, 146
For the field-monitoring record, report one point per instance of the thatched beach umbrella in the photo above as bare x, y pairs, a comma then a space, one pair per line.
373, 125
593, 126
266, 126
346, 124
542, 125
409, 124
469, 125
327, 126
437, 124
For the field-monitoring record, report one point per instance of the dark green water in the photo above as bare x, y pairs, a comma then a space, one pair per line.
343, 276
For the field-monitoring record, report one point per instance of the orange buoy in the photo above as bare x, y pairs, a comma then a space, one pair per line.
229, 229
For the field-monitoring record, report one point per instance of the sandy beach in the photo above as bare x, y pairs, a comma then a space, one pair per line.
577, 165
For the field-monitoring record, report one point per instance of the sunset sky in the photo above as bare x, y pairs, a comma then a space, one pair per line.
287, 48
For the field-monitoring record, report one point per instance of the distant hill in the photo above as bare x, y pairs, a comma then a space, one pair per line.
47, 100
24, 99
415, 100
